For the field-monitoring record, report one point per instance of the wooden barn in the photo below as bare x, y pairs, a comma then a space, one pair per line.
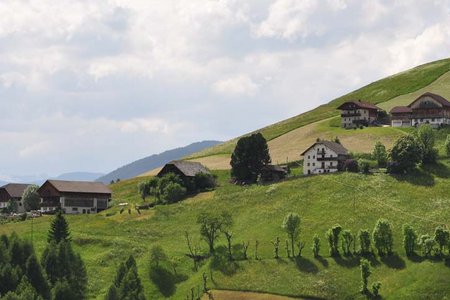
183, 168
270, 173
358, 113
74, 197
14, 192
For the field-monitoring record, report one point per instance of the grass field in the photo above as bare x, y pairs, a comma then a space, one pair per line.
355, 201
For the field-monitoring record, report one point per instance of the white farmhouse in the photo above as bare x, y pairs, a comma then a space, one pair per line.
324, 157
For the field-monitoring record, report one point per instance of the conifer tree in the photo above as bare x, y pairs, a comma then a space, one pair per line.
59, 229
36, 278
63, 291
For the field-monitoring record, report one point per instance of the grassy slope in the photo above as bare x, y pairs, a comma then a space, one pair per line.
355, 201
377, 92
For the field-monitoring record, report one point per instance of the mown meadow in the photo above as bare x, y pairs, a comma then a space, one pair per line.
355, 201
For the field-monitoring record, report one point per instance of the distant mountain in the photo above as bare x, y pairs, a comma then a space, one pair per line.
79, 176
155, 161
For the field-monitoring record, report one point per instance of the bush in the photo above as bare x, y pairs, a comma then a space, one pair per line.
364, 166
382, 237
407, 152
447, 145
351, 165
173, 192
204, 181
394, 168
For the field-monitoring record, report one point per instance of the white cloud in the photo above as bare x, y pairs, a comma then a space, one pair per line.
94, 84
235, 86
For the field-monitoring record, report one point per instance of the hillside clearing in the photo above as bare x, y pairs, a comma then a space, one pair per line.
238, 295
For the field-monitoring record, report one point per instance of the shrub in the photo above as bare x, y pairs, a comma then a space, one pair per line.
382, 237
316, 245
347, 240
333, 239
427, 138
409, 239
364, 241
394, 167
407, 152
351, 165
380, 154
204, 181
365, 273
364, 166
447, 145
173, 192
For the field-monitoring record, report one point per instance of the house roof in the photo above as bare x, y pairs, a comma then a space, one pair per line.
438, 98
15, 190
189, 168
401, 110
88, 187
274, 168
358, 104
336, 147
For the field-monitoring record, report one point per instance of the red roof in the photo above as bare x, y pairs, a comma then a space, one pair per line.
401, 110
358, 104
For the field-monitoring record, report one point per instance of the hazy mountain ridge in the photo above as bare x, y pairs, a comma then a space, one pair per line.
155, 161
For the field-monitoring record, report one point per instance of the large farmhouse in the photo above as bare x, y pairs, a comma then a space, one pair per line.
358, 113
183, 168
13, 192
324, 157
74, 197
429, 108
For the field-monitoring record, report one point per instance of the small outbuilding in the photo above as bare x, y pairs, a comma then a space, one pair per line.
13, 192
183, 168
74, 197
270, 173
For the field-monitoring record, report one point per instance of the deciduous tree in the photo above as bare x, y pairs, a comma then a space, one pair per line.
291, 224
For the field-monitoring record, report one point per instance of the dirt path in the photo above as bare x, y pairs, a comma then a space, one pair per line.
237, 295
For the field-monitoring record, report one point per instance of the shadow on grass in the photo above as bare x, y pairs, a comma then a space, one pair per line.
165, 280
220, 262
347, 261
394, 261
322, 261
416, 177
305, 265
416, 258
438, 169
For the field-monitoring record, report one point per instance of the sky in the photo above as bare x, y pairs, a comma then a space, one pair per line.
92, 85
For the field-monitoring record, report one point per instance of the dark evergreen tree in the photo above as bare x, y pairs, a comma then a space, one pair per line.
25, 291
249, 157
63, 291
59, 229
36, 278
49, 262
9, 278
131, 287
112, 293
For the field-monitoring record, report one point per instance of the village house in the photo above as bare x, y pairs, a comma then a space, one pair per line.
74, 197
183, 168
13, 192
428, 108
358, 113
324, 157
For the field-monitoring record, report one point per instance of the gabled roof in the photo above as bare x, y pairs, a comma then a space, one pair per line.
336, 147
274, 168
15, 190
87, 187
401, 110
189, 168
438, 98
358, 104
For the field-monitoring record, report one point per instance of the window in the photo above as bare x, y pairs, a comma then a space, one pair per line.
314, 164
309, 156
308, 164
74, 208
314, 156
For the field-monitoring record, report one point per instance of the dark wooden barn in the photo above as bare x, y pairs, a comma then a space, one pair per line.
74, 197
14, 192
183, 168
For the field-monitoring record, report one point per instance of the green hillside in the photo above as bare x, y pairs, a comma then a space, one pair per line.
352, 200
394, 90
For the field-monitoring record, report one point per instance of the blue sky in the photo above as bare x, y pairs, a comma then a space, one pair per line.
91, 85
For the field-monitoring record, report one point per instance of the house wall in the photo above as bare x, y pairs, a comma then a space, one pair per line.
84, 204
350, 118
320, 159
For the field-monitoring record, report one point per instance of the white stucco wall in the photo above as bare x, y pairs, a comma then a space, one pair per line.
311, 164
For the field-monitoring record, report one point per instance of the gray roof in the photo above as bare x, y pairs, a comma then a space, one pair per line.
89, 187
15, 190
336, 147
189, 168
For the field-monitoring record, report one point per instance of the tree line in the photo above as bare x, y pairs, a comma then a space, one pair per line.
60, 274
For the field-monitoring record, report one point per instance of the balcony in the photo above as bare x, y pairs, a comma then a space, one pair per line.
323, 158
350, 115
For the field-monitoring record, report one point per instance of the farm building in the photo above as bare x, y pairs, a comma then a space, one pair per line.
273, 173
324, 157
14, 192
74, 197
428, 108
358, 113
183, 168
